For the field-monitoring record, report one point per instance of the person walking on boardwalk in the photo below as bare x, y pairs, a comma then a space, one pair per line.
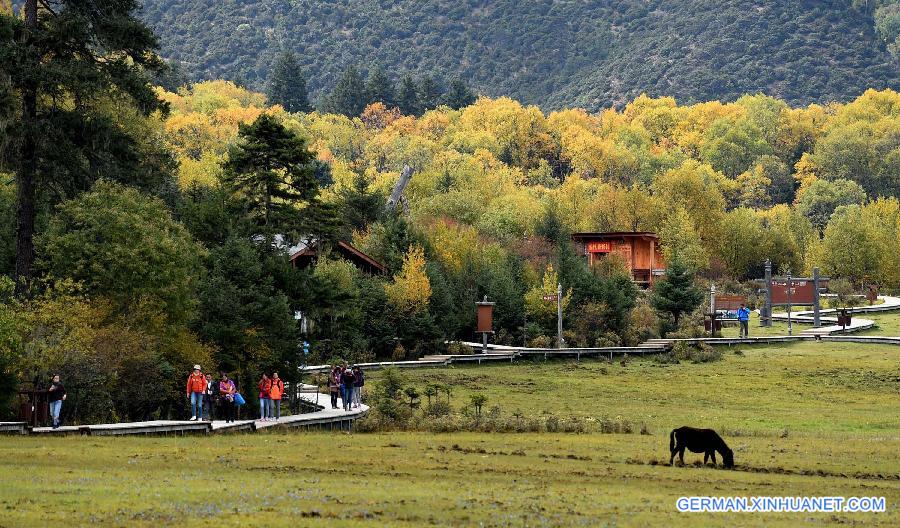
196, 386
347, 380
265, 386
56, 394
209, 397
334, 384
359, 379
743, 315
275, 394
227, 390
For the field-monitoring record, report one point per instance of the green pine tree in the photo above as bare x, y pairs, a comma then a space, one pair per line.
349, 94
459, 95
430, 93
272, 170
676, 294
408, 96
380, 88
80, 52
287, 84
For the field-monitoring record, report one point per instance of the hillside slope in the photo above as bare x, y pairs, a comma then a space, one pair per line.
556, 53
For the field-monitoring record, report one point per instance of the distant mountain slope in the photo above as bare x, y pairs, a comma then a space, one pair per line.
552, 53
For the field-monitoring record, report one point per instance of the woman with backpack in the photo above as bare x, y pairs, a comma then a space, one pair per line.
275, 394
227, 390
334, 385
265, 386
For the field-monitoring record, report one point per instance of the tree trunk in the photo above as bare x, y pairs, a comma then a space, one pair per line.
25, 213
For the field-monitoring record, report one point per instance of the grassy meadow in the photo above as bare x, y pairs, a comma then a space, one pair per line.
802, 420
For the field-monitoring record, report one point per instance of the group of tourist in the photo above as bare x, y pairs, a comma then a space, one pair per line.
347, 383
210, 398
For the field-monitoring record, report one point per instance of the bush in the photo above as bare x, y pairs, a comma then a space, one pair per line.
617, 425
666, 359
699, 353
552, 424
437, 408
541, 341
399, 353
456, 348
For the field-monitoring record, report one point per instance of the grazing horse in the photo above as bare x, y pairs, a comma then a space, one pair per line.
704, 441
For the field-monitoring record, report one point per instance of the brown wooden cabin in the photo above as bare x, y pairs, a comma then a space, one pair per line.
639, 250
305, 254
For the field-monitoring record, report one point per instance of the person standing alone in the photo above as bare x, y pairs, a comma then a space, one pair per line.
196, 386
743, 315
56, 394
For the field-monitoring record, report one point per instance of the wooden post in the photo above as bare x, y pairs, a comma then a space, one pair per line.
817, 322
559, 329
790, 326
767, 307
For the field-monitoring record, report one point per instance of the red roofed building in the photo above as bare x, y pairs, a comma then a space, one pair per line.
639, 250
306, 253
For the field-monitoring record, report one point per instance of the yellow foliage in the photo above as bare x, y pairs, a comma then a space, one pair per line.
535, 303
410, 290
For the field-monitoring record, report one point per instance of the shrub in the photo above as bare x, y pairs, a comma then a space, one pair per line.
552, 424
456, 348
699, 353
399, 353
667, 358
437, 408
541, 341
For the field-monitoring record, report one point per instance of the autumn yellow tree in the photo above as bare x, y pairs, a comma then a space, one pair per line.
410, 290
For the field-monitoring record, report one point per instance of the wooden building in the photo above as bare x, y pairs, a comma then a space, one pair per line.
639, 250
306, 253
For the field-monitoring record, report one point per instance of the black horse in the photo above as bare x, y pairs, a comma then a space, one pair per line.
704, 441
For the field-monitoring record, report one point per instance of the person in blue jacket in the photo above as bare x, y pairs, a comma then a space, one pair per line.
743, 315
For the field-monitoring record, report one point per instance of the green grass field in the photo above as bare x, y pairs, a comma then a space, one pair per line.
802, 420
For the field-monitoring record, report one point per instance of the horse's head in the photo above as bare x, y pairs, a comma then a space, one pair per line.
727, 458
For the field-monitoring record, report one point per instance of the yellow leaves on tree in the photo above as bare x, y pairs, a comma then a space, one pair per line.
540, 301
410, 290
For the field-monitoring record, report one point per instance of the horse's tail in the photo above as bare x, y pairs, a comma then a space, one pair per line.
672, 440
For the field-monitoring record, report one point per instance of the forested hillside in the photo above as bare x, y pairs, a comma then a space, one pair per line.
554, 54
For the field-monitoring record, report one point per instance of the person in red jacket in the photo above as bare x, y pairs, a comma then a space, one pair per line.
265, 385
196, 386
275, 394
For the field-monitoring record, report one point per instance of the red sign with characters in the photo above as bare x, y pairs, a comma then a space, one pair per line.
802, 292
599, 246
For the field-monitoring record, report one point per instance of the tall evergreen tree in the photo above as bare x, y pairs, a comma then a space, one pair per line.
349, 94
430, 93
459, 95
408, 96
380, 88
676, 294
271, 169
287, 84
74, 51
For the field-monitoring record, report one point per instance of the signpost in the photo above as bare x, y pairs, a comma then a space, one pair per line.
485, 323
788, 291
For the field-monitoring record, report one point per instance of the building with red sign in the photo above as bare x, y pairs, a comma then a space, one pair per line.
639, 250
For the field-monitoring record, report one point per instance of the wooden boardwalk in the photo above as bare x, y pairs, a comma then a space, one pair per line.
332, 419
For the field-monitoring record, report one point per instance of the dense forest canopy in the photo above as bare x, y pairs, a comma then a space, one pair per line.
163, 215
554, 54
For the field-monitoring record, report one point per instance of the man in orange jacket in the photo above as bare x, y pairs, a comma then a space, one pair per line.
275, 393
196, 386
